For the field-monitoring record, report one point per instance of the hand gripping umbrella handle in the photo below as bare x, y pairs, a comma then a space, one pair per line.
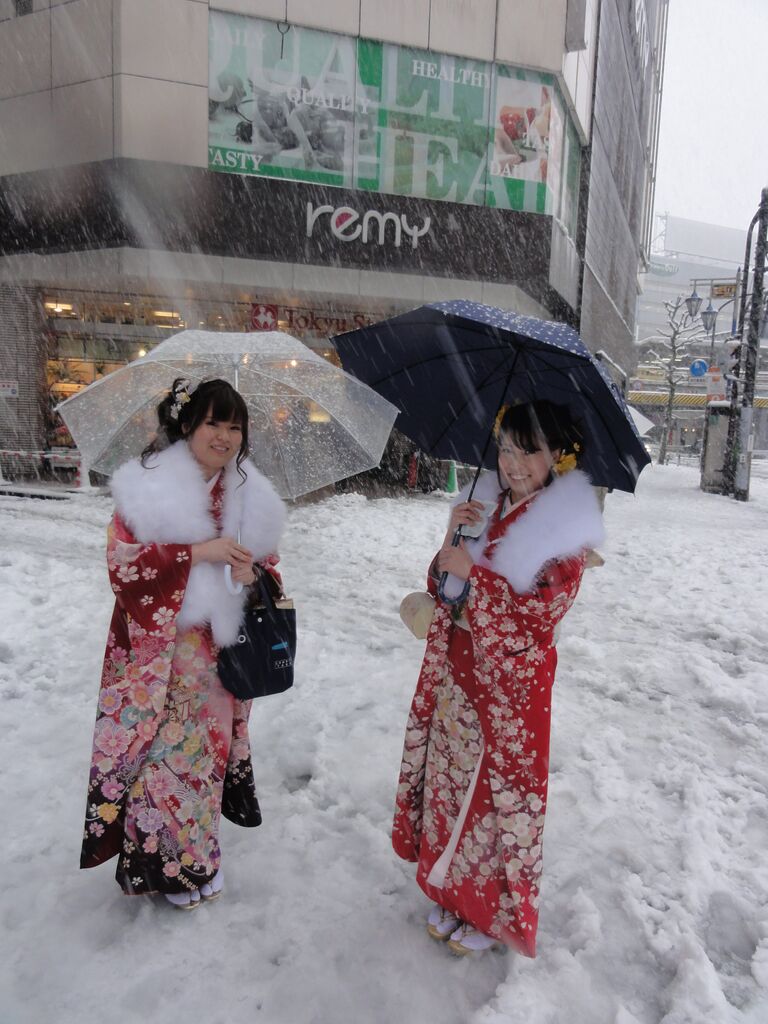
444, 576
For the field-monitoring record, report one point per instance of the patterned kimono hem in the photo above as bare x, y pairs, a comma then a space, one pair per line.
439, 870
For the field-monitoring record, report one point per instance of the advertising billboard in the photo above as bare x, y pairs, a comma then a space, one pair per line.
296, 103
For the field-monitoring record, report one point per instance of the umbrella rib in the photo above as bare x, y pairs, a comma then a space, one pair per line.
515, 354
283, 463
139, 409
193, 368
458, 354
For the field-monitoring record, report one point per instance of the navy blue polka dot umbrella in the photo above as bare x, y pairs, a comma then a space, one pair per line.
450, 366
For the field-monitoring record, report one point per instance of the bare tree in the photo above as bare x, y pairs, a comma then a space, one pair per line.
671, 354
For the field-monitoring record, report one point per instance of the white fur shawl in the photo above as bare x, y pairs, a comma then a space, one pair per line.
168, 502
561, 521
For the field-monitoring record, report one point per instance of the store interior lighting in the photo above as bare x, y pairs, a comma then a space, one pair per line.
318, 415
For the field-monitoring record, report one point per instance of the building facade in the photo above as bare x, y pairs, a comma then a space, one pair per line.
258, 164
621, 159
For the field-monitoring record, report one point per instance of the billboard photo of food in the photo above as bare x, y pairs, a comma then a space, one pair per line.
521, 130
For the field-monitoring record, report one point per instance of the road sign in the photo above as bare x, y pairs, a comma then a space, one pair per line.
723, 291
698, 367
715, 385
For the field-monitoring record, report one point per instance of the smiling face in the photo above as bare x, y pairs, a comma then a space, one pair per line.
524, 470
215, 443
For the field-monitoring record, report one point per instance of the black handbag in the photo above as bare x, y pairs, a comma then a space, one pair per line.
260, 661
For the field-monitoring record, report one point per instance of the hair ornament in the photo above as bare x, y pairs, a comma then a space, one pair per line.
497, 422
182, 393
567, 461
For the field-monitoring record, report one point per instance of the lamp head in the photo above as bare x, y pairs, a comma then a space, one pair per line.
708, 317
693, 303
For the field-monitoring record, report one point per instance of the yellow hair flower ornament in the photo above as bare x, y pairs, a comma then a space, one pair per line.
565, 463
499, 417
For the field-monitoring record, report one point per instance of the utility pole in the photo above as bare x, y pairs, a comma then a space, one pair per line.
741, 481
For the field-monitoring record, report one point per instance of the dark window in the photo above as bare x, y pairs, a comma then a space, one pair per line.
23, 7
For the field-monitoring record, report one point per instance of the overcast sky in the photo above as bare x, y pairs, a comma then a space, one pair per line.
713, 147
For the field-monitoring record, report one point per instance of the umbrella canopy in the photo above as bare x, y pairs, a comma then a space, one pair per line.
310, 425
449, 366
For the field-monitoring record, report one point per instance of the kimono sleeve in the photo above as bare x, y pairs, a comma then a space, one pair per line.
433, 576
148, 580
504, 622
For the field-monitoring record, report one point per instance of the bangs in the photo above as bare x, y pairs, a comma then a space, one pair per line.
227, 406
521, 425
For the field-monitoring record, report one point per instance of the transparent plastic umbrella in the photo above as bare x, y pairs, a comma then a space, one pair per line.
311, 423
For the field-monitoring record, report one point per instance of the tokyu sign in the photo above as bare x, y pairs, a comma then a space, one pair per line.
347, 225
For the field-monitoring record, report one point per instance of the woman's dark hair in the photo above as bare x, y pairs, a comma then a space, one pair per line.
527, 423
181, 413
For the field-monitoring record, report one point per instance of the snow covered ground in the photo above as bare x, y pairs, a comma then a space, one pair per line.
655, 896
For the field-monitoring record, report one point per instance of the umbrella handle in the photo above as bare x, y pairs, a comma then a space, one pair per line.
233, 588
444, 576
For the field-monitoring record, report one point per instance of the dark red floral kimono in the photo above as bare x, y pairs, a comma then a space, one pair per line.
171, 750
473, 782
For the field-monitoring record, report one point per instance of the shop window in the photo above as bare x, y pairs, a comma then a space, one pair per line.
60, 310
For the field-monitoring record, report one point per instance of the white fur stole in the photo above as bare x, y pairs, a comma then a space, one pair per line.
561, 521
168, 502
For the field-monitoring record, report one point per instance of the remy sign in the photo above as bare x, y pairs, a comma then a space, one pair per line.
296, 103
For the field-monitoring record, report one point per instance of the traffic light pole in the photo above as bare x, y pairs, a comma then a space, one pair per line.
742, 469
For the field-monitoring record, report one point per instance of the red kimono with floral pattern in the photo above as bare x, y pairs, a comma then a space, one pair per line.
171, 750
473, 782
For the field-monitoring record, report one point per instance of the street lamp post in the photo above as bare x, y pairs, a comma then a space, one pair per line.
741, 478
714, 476
708, 321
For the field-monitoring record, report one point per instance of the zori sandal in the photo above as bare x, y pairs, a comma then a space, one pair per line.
184, 900
212, 890
467, 940
441, 923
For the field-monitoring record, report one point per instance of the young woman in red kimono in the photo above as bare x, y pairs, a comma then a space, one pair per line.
473, 781
171, 751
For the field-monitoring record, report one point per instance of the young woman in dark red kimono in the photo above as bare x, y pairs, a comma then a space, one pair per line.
473, 781
171, 751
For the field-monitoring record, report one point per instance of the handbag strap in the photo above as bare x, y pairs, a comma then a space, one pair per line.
265, 590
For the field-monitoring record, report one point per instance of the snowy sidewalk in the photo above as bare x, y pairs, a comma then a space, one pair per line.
655, 893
